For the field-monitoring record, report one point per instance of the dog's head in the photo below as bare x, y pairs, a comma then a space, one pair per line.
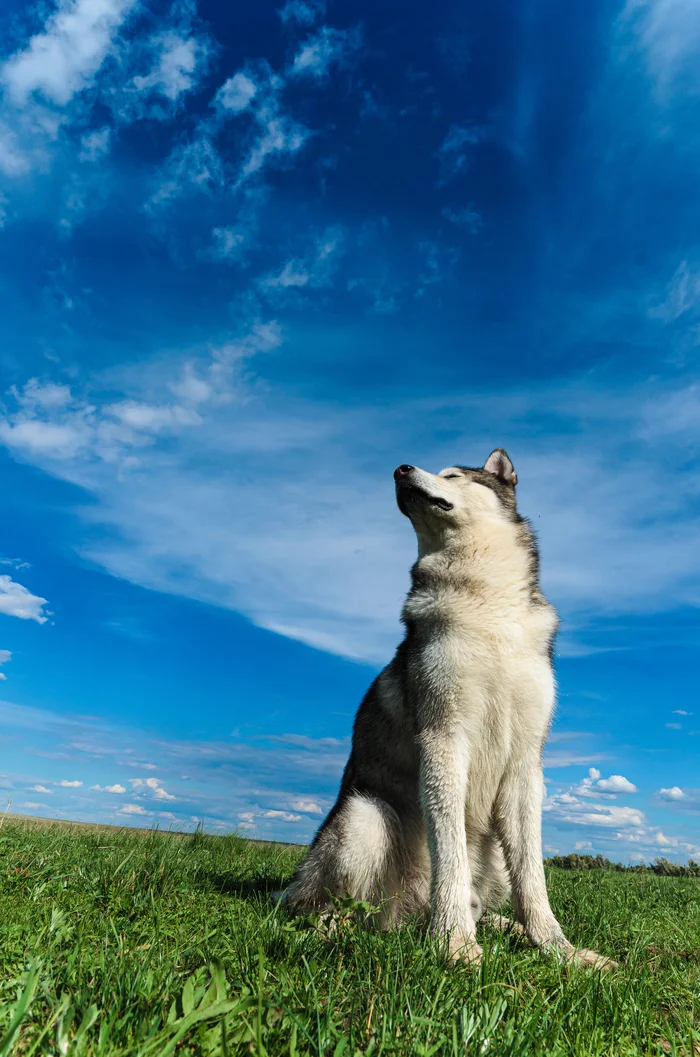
458, 495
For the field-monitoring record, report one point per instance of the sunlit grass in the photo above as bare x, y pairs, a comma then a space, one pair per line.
119, 943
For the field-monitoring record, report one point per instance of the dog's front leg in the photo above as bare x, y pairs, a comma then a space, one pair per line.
443, 785
519, 824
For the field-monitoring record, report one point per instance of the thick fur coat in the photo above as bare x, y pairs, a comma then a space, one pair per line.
440, 805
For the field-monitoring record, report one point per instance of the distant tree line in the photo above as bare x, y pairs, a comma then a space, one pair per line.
664, 867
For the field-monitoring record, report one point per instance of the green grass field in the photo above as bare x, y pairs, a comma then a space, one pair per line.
116, 942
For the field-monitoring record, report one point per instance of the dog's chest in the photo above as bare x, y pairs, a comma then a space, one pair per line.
483, 669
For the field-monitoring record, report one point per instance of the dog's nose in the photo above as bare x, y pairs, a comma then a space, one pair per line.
401, 471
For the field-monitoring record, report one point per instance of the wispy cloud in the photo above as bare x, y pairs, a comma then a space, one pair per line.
336, 581
302, 12
41, 80
326, 48
287, 780
457, 149
5, 656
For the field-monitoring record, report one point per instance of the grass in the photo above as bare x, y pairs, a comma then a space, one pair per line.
148, 945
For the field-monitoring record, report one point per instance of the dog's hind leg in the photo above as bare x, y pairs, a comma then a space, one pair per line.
355, 854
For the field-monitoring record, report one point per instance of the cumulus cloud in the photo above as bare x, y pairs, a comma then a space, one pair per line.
237, 93
594, 785
155, 786
282, 816
69, 785
567, 808
132, 809
674, 792
5, 656
41, 789
18, 601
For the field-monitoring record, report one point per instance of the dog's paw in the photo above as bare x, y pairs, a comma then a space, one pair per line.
590, 959
464, 949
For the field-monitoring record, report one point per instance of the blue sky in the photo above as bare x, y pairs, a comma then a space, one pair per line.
254, 256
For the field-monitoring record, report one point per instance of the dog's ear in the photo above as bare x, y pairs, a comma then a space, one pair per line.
501, 467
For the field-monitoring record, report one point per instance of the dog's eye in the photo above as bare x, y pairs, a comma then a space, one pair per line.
448, 475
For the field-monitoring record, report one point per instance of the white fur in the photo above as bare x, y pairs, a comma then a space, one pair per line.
475, 682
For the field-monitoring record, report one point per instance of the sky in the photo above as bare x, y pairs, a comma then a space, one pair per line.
254, 256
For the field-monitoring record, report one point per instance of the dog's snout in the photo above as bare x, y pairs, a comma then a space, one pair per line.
402, 470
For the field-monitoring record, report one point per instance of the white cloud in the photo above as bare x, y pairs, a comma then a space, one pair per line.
61, 61
145, 783
195, 166
33, 804
312, 271
583, 845
673, 726
308, 807
672, 793
282, 816
132, 809
170, 519
5, 656
95, 145
41, 789
163, 67
18, 601
43, 82
594, 785
155, 785
69, 785
229, 243
574, 805
681, 712
115, 789
326, 48
256, 93
174, 70
236, 94
616, 783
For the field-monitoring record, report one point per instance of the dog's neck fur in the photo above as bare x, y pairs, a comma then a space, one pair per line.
492, 562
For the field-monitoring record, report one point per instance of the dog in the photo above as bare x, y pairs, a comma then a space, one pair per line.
440, 806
